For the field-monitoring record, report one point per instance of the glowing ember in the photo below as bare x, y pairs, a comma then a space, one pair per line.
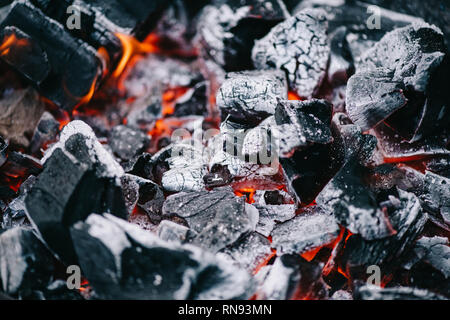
293, 96
11, 41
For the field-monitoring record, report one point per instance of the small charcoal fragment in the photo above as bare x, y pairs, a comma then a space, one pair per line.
292, 277
127, 142
270, 215
25, 263
134, 264
311, 229
370, 292
46, 133
15, 214
193, 102
250, 252
218, 176
251, 96
298, 46
171, 231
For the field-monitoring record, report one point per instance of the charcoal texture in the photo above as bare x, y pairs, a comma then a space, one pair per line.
251, 96
135, 264
46, 132
311, 229
127, 142
270, 215
298, 46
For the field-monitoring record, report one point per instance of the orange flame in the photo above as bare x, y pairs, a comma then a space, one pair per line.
169, 99
293, 96
248, 193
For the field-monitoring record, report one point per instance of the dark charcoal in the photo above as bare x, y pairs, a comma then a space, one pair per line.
292, 277
25, 262
131, 263
298, 46
143, 193
407, 218
79, 178
218, 218
369, 292
250, 252
227, 30
270, 215
127, 142
341, 65
251, 96
46, 133
3, 151
193, 102
15, 214
311, 229
62, 67
415, 58
218, 176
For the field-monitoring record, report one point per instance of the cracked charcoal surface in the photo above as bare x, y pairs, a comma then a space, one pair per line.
251, 96
172, 232
270, 215
134, 264
309, 230
218, 218
127, 142
298, 46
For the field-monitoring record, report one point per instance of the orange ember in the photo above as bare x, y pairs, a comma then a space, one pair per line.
293, 96
248, 193
169, 99
10, 41
265, 262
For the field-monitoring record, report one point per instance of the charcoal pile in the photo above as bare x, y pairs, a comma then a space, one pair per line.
257, 149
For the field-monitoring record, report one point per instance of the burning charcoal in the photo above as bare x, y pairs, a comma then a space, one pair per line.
152, 167
15, 215
250, 252
171, 231
127, 142
17, 168
298, 46
311, 229
272, 197
227, 30
292, 277
144, 193
431, 256
311, 120
440, 166
415, 58
193, 102
372, 96
218, 176
269, 215
25, 262
134, 264
219, 218
64, 69
407, 218
20, 112
79, 177
370, 292
341, 60
45, 133
251, 96
341, 295
146, 110
3, 151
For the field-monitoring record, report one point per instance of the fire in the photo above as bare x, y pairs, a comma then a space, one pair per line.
131, 47
247, 192
293, 96
10, 41
169, 99
265, 262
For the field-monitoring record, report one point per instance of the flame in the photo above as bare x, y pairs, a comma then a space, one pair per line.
10, 41
131, 47
293, 96
247, 192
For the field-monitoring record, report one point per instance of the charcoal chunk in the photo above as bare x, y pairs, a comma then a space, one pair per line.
270, 215
171, 231
251, 96
127, 142
3, 150
227, 30
15, 214
250, 252
218, 218
311, 229
46, 132
25, 262
370, 292
292, 277
218, 176
193, 102
299, 47
134, 264
79, 178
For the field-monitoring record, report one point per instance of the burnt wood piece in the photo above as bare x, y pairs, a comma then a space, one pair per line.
79, 178
26, 264
217, 218
409, 65
293, 278
67, 68
228, 29
311, 229
299, 47
131, 263
408, 220
251, 96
